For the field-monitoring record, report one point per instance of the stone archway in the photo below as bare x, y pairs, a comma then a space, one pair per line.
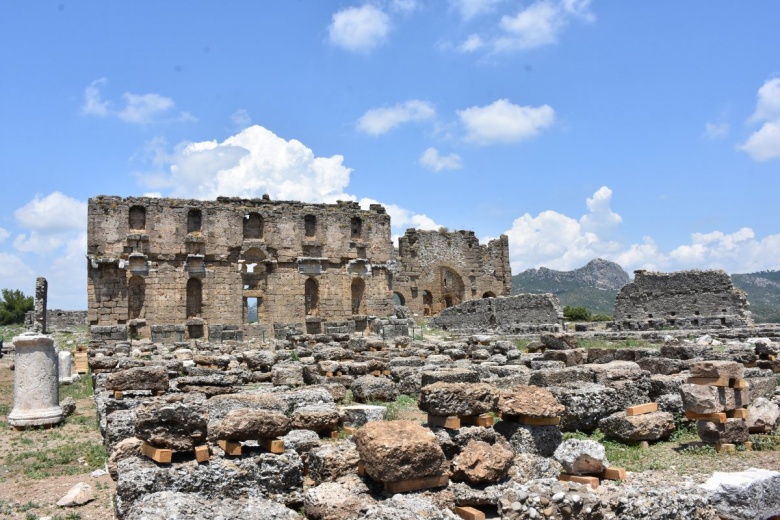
451, 286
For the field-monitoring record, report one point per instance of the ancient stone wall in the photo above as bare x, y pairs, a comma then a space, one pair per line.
684, 299
57, 319
519, 314
440, 269
205, 265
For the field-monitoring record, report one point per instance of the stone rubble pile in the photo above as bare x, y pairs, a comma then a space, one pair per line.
296, 391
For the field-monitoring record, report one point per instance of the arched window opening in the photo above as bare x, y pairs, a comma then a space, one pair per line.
427, 303
253, 226
452, 287
136, 289
194, 298
194, 220
137, 218
356, 226
312, 297
310, 225
489, 294
358, 288
398, 299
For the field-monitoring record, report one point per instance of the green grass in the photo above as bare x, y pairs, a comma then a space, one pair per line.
81, 389
72, 458
394, 408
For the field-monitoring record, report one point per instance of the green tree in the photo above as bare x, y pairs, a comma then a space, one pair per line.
576, 313
13, 306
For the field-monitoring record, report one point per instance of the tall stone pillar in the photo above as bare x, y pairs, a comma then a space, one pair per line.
41, 290
36, 389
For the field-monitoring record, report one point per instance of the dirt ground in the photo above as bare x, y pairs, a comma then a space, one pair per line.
39, 466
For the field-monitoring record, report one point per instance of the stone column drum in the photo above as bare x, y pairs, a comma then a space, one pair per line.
65, 366
36, 389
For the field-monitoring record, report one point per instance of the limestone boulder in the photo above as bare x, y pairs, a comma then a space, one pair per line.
316, 417
287, 375
733, 431
130, 447
538, 440
398, 450
529, 466
483, 463
154, 378
372, 388
529, 400
709, 368
559, 341
408, 506
449, 375
332, 461
359, 414
172, 422
585, 404
578, 457
244, 424
645, 427
78, 495
331, 501
745, 495
458, 399
763, 416
302, 441
712, 399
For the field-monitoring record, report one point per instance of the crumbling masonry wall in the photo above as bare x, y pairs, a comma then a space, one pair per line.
519, 314
684, 300
440, 269
179, 269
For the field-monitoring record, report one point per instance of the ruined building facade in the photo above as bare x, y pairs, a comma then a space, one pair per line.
173, 269
440, 269
685, 299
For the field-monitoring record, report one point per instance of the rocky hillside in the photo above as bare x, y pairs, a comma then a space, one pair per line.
763, 292
593, 286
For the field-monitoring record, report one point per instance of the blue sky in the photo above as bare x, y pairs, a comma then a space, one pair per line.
647, 133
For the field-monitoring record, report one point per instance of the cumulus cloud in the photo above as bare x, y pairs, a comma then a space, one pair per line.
359, 29
135, 108
252, 162
402, 219
377, 121
469, 9
16, 274
716, 130
600, 219
534, 25
504, 122
432, 160
4, 234
764, 143
53, 213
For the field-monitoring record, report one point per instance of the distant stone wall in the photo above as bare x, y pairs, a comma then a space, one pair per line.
440, 269
681, 300
57, 319
517, 314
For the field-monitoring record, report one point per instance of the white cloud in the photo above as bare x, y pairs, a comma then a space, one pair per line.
764, 143
432, 160
252, 162
768, 104
359, 29
93, 104
241, 118
16, 274
504, 122
469, 9
402, 219
136, 108
380, 120
716, 130
53, 213
601, 218
404, 6
473, 43
4, 234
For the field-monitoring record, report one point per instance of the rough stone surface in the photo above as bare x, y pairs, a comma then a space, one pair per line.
360, 414
483, 463
559, 341
154, 378
645, 427
733, 431
412, 507
585, 404
331, 501
539, 440
130, 447
166, 505
458, 399
763, 416
529, 466
712, 399
398, 450
333, 461
172, 422
730, 369
317, 417
581, 456
244, 424
372, 388
78, 495
509, 315
745, 495
529, 400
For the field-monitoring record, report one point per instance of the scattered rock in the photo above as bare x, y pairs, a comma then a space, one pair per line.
482, 463
645, 427
78, 495
581, 456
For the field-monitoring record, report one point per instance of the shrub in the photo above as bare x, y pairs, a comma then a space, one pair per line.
13, 306
576, 313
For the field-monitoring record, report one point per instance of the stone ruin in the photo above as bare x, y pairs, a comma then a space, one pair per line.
441, 269
519, 314
681, 300
171, 269
176, 270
